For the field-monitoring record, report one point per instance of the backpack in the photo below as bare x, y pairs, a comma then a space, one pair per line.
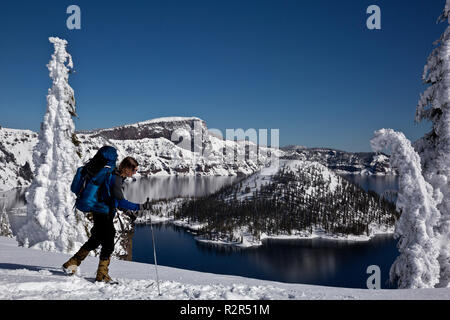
91, 182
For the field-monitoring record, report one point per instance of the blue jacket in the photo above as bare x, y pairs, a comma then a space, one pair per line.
116, 197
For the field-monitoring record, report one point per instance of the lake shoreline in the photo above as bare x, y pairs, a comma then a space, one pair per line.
249, 241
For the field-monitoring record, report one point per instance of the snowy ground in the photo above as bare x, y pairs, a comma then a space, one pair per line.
33, 274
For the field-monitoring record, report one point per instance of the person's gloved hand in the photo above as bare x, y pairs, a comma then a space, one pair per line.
145, 206
132, 215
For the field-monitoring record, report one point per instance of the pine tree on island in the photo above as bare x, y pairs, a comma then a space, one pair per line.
51, 221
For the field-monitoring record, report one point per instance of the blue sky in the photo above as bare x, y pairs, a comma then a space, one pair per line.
308, 68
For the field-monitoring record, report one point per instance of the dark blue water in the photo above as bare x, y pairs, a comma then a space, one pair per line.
309, 261
379, 184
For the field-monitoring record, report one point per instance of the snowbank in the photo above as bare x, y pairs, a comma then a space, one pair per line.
34, 274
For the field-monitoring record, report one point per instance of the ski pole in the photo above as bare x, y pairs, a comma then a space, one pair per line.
154, 252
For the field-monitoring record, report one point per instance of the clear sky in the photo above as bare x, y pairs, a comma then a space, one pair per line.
311, 69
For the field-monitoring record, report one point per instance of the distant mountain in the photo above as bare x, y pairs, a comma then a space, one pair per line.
176, 146
163, 146
342, 161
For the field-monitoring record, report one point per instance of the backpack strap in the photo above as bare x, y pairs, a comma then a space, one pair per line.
102, 179
107, 181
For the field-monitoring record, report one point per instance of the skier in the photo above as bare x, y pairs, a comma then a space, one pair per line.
103, 230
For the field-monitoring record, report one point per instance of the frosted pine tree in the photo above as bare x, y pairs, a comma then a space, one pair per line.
434, 147
5, 226
417, 265
434, 152
51, 221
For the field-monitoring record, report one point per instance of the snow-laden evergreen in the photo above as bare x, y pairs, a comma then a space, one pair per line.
417, 265
5, 226
433, 154
51, 221
434, 147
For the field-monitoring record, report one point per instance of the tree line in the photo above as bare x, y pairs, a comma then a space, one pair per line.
283, 204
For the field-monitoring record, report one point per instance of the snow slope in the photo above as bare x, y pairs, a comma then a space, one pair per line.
36, 275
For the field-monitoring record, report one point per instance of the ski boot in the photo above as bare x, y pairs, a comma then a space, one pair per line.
70, 267
102, 272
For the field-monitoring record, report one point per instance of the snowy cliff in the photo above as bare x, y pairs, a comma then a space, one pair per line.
16, 165
176, 146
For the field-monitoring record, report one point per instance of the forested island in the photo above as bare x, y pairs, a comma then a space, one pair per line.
298, 199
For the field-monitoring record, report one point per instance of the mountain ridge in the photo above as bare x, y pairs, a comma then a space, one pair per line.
177, 146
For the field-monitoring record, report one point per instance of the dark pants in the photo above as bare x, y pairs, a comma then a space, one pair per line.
102, 234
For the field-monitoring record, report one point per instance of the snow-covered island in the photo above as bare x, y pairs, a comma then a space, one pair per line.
297, 200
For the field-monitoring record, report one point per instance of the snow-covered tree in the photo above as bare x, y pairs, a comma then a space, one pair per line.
417, 265
434, 147
5, 226
51, 221
433, 151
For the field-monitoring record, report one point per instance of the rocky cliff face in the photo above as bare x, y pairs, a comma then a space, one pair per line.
173, 129
177, 146
16, 165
